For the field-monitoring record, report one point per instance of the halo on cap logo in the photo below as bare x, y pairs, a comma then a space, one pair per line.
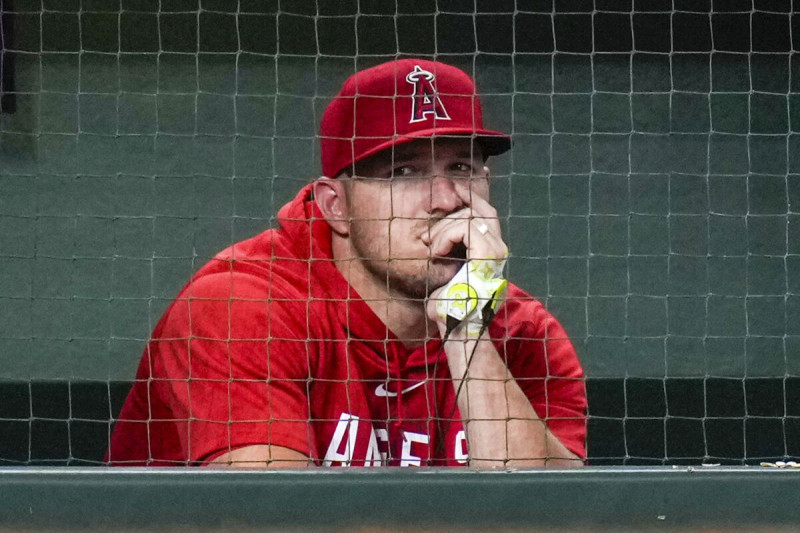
424, 100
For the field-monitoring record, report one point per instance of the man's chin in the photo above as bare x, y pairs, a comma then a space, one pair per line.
442, 271
418, 283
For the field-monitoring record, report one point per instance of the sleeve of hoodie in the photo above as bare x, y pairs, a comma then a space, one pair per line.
231, 360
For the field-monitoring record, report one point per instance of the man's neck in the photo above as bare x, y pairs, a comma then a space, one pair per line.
404, 317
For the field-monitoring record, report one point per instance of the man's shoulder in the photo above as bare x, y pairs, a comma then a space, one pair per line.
522, 312
263, 266
270, 244
253, 278
526, 323
519, 300
237, 301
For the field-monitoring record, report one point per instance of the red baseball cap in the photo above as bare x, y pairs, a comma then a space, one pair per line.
397, 102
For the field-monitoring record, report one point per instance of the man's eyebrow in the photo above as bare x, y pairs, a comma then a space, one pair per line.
405, 157
402, 157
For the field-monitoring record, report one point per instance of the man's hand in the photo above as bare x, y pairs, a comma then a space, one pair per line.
477, 227
469, 301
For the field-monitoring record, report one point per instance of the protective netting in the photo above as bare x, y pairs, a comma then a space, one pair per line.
647, 202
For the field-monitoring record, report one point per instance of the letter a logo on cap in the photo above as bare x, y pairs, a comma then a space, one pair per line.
425, 101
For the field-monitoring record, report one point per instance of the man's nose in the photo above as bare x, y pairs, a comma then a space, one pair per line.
444, 196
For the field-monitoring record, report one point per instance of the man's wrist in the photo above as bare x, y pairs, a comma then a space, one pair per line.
468, 302
466, 332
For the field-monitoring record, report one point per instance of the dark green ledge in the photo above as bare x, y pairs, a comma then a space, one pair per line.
597, 498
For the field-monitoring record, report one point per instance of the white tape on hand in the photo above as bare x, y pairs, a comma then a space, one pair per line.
473, 295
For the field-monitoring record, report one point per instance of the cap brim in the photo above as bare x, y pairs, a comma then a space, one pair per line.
492, 142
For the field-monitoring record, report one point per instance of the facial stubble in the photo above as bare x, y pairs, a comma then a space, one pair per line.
414, 278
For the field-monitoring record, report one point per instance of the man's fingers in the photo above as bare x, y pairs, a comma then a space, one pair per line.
480, 222
461, 214
470, 224
480, 206
445, 235
480, 244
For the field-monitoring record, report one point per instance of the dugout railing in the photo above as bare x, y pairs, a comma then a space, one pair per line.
592, 499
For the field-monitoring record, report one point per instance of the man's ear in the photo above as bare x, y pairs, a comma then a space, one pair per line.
330, 195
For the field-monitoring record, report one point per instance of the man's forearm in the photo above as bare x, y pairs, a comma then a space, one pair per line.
502, 428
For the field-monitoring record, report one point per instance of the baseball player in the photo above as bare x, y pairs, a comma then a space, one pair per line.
374, 326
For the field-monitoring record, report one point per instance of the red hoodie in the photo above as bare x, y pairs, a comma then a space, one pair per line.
268, 344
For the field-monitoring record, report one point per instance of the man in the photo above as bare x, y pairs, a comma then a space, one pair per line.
369, 328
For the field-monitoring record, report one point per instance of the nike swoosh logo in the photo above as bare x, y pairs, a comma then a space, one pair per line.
381, 391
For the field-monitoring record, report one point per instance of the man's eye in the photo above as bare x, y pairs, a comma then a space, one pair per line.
403, 172
463, 169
